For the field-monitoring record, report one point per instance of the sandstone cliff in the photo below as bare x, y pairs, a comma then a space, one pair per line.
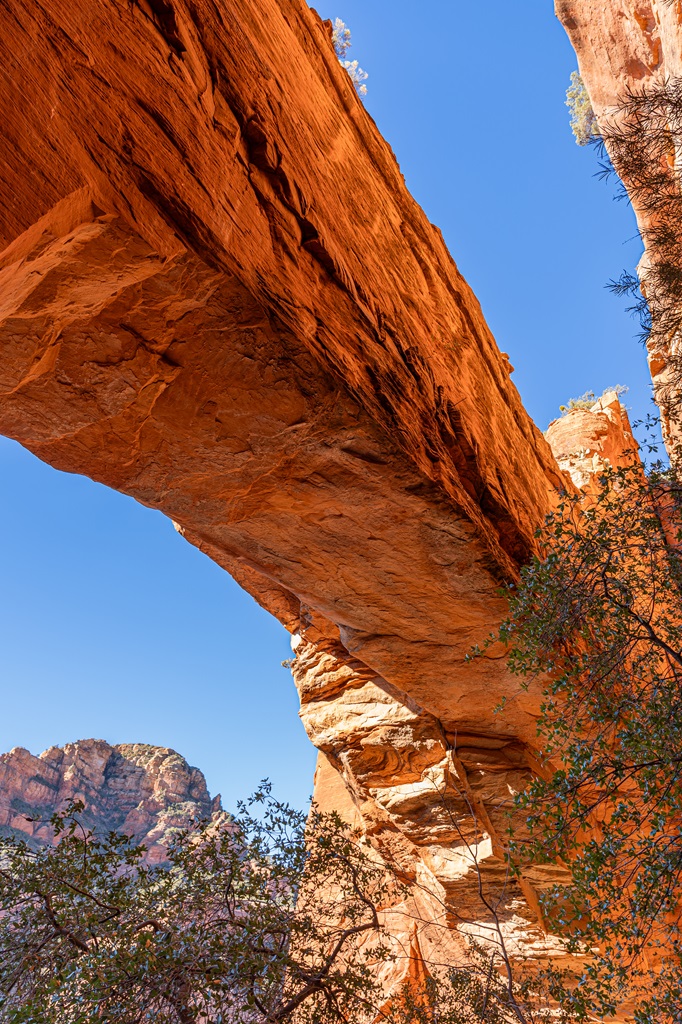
634, 47
218, 296
588, 441
134, 788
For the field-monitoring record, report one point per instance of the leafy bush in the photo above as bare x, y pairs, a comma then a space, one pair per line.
584, 401
587, 400
341, 38
600, 615
269, 916
254, 919
642, 136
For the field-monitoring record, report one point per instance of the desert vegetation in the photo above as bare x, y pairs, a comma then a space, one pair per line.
598, 612
583, 121
341, 38
638, 143
265, 916
588, 398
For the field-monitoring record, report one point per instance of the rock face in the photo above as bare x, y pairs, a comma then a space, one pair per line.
620, 44
134, 788
233, 310
632, 47
585, 442
217, 296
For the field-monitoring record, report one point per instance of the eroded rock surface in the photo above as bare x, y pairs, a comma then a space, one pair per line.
624, 48
133, 788
436, 801
217, 296
587, 442
233, 310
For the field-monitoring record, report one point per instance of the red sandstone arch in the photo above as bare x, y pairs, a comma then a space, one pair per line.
217, 296
232, 309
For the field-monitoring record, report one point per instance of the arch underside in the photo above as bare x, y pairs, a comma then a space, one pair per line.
217, 296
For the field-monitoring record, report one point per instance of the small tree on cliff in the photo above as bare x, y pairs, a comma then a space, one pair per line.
600, 613
341, 38
587, 400
259, 918
640, 140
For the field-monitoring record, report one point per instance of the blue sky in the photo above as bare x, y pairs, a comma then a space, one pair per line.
110, 624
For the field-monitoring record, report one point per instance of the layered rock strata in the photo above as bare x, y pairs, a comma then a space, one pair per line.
587, 442
437, 803
133, 788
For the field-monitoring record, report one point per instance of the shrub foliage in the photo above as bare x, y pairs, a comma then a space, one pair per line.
248, 922
341, 39
266, 917
599, 613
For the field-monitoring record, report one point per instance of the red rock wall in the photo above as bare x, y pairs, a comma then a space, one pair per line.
630, 47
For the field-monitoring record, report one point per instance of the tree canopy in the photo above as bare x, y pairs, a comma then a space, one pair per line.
598, 613
267, 916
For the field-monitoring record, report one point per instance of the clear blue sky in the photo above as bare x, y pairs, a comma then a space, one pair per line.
110, 624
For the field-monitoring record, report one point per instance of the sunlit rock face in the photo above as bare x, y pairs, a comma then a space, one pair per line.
629, 47
587, 442
232, 309
436, 800
132, 788
217, 296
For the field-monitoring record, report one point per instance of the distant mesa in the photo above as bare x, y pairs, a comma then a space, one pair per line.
133, 788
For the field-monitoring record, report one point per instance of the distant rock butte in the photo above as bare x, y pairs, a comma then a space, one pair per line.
588, 441
133, 788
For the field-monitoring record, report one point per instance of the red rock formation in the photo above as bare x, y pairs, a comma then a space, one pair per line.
587, 441
232, 309
133, 788
624, 47
217, 296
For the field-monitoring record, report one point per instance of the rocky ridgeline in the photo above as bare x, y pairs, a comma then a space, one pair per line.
135, 788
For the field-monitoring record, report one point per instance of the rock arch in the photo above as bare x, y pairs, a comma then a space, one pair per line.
217, 296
